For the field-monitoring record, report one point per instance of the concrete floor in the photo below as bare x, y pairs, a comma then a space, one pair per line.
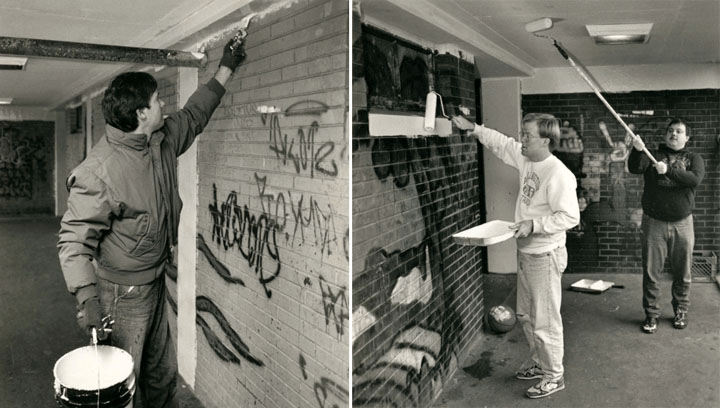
609, 361
37, 314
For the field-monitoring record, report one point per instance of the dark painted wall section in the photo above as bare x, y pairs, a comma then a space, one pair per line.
417, 295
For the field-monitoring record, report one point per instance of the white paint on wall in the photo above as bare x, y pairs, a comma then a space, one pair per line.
261, 8
362, 320
187, 248
624, 78
501, 111
413, 288
394, 124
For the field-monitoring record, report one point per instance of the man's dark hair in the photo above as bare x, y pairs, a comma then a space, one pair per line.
680, 121
126, 94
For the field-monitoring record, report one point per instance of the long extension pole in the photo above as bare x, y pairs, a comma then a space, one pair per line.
599, 95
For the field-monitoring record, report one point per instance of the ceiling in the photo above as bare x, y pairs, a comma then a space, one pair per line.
684, 31
159, 24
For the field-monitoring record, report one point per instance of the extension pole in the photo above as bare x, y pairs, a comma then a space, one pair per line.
599, 95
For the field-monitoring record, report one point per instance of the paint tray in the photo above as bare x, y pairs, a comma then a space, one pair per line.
490, 233
591, 285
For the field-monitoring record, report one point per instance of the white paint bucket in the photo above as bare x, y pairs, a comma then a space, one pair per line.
86, 373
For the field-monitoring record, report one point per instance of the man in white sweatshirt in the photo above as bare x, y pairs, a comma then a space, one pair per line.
546, 207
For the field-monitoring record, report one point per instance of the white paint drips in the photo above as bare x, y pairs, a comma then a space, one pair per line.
221, 35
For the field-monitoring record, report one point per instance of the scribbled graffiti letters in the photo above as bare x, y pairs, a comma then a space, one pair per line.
305, 154
311, 216
331, 301
254, 236
326, 388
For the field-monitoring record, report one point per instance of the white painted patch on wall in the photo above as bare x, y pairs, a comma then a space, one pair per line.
362, 319
454, 50
260, 13
413, 288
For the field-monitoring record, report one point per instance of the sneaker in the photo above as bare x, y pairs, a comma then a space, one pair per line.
650, 325
681, 320
545, 388
531, 373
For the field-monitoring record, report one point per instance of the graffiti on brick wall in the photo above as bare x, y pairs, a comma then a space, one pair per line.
301, 151
216, 265
206, 306
405, 327
242, 115
335, 305
275, 218
253, 236
310, 220
21, 159
328, 393
603, 194
408, 373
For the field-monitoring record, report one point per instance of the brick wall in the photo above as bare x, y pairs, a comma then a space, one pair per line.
610, 241
26, 167
417, 296
273, 224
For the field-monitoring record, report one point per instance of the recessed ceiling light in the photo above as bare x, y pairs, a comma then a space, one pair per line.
12, 63
5, 101
614, 34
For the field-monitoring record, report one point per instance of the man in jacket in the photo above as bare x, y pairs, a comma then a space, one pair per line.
667, 225
116, 238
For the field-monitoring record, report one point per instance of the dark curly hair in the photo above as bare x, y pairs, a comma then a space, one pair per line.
680, 121
126, 94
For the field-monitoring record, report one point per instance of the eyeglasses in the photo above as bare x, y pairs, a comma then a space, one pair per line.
528, 136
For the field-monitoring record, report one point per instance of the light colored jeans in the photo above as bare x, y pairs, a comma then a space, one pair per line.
141, 328
661, 239
539, 295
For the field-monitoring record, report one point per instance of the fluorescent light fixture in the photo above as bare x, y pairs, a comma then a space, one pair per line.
5, 101
12, 63
613, 34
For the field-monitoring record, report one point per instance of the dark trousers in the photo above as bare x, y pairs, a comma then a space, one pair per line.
660, 240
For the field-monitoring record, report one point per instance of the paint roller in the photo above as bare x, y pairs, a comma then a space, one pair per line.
431, 108
546, 23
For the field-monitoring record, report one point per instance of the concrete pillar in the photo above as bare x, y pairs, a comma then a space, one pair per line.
502, 112
187, 252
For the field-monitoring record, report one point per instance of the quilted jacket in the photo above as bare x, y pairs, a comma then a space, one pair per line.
123, 204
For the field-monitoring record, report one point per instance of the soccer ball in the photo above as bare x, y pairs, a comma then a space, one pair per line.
501, 318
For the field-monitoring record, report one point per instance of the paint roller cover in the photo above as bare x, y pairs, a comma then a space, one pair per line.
539, 25
430, 108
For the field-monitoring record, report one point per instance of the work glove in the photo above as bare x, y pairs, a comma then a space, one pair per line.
89, 316
638, 144
661, 167
232, 58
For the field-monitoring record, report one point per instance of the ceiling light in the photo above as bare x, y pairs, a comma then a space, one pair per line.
612, 34
12, 63
5, 101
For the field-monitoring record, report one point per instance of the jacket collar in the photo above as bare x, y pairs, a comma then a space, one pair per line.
666, 149
135, 141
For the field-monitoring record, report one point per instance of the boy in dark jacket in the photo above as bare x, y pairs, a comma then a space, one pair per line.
117, 235
667, 226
